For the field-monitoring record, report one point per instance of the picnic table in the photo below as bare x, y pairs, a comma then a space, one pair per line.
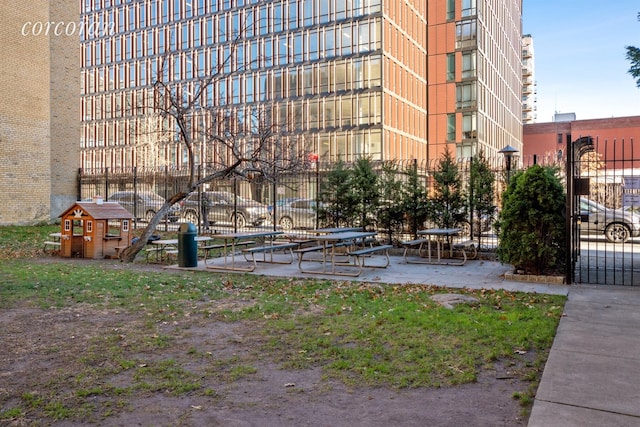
353, 244
440, 237
166, 247
54, 243
232, 241
331, 230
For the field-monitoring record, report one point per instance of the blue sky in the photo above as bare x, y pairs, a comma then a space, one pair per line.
580, 64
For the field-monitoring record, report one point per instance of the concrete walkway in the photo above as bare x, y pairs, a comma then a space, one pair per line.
592, 377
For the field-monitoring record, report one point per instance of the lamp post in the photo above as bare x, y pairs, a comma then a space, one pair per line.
508, 152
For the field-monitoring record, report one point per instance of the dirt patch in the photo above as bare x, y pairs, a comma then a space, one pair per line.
47, 353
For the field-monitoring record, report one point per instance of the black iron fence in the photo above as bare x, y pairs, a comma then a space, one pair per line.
606, 212
242, 202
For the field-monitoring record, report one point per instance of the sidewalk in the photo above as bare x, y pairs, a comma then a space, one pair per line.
592, 377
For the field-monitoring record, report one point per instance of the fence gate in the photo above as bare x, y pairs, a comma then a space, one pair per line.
603, 212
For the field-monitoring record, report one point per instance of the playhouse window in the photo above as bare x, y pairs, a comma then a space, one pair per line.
77, 227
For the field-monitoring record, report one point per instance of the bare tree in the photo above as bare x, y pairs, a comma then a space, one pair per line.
242, 145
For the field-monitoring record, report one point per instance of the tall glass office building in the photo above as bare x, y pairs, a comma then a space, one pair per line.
345, 78
389, 79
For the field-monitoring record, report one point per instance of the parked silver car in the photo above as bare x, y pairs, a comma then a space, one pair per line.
617, 225
220, 209
296, 213
143, 204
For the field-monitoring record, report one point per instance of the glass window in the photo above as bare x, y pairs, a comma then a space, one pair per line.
307, 10
324, 11
451, 127
468, 8
255, 63
324, 78
346, 40
264, 20
268, 52
466, 95
340, 76
293, 82
264, 94
374, 72
341, 9
278, 17
314, 45
329, 113
297, 47
465, 33
313, 114
347, 112
363, 37
451, 9
293, 14
282, 49
469, 129
468, 64
308, 80
451, 66
250, 87
328, 50
249, 25
222, 28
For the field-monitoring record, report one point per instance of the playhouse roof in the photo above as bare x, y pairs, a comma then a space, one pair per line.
104, 210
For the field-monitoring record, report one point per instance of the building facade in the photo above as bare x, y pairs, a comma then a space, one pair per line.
616, 140
314, 66
39, 109
475, 76
346, 78
529, 91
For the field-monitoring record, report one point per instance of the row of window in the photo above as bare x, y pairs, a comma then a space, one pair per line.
244, 21
205, 55
364, 109
347, 75
330, 146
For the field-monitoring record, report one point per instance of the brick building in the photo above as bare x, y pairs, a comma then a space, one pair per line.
617, 140
39, 109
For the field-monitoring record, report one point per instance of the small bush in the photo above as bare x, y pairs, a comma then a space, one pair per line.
531, 224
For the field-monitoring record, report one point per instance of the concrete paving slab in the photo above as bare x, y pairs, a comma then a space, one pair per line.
597, 338
548, 414
587, 380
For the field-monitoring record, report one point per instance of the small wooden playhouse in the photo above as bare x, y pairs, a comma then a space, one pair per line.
94, 229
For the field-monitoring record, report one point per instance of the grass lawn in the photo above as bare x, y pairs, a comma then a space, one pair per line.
361, 334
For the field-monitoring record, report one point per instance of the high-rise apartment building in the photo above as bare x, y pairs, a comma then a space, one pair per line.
389, 79
529, 92
346, 77
475, 76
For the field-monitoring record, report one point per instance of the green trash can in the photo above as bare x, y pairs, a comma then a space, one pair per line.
187, 246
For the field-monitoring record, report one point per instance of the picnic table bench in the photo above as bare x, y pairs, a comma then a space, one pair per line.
423, 246
287, 247
361, 254
52, 245
352, 244
467, 245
